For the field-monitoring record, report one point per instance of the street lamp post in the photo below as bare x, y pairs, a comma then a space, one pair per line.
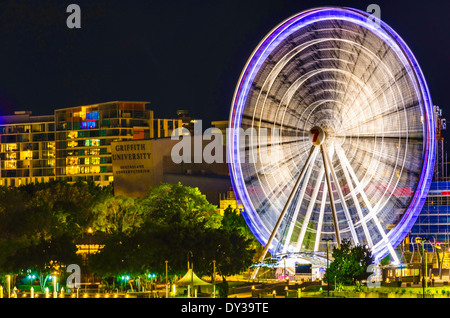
90, 231
31, 277
192, 272
55, 292
89, 241
328, 280
214, 278
152, 287
167, 287
423, 269
125, 279
424, 265
8, 285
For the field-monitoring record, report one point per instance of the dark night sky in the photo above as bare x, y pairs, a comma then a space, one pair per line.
175, 54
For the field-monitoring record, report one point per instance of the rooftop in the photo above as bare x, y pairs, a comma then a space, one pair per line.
24, 117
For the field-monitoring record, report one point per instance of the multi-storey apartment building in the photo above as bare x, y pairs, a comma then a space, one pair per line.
163, 127
27, 149
74, 143
83, 137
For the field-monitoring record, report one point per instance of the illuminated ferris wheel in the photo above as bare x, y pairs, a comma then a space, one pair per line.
332, 134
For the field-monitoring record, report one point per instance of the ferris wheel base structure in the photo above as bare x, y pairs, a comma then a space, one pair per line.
333, 135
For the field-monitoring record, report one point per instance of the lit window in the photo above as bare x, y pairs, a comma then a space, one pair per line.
95, 169
73, 170
10, 147
92, 142
92, 115
88, 124
95, 151
71, 161
72, 143
10, 164
72, 134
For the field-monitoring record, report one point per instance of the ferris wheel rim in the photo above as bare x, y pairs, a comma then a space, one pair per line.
246, 78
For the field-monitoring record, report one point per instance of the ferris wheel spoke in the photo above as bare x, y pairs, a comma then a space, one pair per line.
389, 81
266, 150
299, 202
320, 221
341, 197
393, 111
271, 164
379, 157
359, 187
372, 211
331, 197
374, 137
356, 203
372, 72
311, 205
248, 120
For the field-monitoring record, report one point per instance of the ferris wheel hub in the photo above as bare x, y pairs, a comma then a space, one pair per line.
317, 135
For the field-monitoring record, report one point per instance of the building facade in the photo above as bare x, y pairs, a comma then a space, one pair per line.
74, 143
27, 149
84, 135
429, 237
433, 222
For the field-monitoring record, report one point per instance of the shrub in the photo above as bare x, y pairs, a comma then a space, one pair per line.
357, 287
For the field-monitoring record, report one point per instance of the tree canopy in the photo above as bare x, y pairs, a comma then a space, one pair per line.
175, 221
175, 203
349, 264
44, 212
40, 225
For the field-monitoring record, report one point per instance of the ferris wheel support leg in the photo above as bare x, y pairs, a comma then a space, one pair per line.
301, 192
341, 197
330, 192
321, 213
311, 204
283, 212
